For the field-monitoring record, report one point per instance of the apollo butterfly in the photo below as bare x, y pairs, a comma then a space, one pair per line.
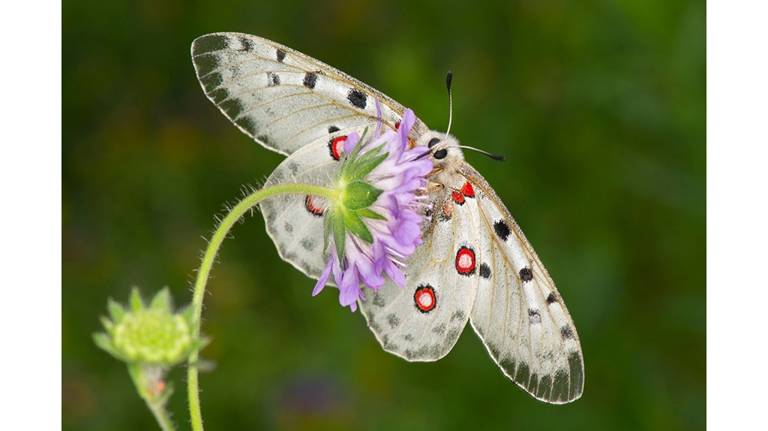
475, 264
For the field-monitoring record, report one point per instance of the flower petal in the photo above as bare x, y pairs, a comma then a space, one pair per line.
401, 176
352, 140
405, 127
323, 278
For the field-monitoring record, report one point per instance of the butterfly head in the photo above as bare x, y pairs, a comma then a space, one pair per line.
443, 149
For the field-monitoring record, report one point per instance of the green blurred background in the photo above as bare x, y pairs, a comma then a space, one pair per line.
599, 107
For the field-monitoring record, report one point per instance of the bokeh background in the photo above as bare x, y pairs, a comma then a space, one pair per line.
599, 107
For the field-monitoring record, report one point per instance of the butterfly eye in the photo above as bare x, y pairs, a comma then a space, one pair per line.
433, 142
440, 154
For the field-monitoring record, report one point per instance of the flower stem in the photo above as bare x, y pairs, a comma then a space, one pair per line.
203, 272
161, 415
155, 402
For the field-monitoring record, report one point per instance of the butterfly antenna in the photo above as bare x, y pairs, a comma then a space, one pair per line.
448, 81
496, 157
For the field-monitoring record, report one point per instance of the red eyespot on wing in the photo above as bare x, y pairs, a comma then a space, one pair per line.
313, 206
336, 146
465, 261
458, 197
467, 190
397, 125
424, 298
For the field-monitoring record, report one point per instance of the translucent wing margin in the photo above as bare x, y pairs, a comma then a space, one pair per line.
518, 312
422, 321
282, 98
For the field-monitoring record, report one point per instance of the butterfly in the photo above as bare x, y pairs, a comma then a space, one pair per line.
475, 265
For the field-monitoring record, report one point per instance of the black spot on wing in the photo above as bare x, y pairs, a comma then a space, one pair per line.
393, 320
209, 43
534, 316
566, 332
551, 298
308, 244
357, 98
502, 229
419, 353
439, 329
526, 274
485, 270
294, 168
246, 44
378, 300
458, 315
273, 79
388, 345
280, 55
310, 79
333, 129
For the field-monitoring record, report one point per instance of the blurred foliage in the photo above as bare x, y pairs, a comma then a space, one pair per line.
599, 107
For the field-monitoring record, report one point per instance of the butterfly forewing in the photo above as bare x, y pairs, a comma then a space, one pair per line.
518, 312
281, 98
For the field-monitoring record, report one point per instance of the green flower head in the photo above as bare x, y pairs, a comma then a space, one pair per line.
152, 334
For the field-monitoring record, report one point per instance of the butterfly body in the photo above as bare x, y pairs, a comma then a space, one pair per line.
475, 265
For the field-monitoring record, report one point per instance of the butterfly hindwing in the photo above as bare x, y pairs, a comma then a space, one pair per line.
518, 312
282, 98
422, 321
294, 221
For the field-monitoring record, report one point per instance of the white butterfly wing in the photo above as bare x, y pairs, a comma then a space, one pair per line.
422, 321
294, 221
518, 312
282, 98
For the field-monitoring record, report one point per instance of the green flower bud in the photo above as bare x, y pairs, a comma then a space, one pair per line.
151, 334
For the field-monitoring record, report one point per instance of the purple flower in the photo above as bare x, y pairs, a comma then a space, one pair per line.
375, 225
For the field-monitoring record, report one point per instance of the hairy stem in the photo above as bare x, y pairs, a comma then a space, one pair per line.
155, 401
161, 415
245, 205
